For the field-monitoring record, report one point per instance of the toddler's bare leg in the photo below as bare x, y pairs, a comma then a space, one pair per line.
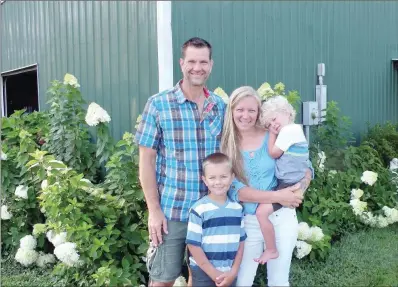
270, 252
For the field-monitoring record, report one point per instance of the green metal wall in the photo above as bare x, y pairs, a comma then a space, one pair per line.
111, 47
257, 41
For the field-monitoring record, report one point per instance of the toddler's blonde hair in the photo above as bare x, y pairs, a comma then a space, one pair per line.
276, 105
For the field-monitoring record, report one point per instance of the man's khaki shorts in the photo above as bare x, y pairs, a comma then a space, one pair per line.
165, 262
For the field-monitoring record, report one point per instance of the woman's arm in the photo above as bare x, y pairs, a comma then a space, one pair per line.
285, 197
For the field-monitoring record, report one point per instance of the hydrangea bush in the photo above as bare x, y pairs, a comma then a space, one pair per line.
21, 134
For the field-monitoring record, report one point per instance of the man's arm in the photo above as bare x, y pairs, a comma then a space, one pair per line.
305, 182
273, 150
147, 174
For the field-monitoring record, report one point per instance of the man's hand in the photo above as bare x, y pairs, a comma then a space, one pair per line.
156, 218
156, 222
305, 182
290, 196
225, 279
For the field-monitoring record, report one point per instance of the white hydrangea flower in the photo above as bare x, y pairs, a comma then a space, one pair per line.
381, 221
358, 206
38, 229
137, 122
3, 156
44, 184
5, 214
59, 239
44, 259
356, 193
222, 94
279, 86
316, 234
368, 218
332, 172
391, 214
304, 231
394, 164
180, 282
302, 249
66, 252
50, 235
21, 191
265, 91
71, 80
321, 160
26, 257
28, 242
369, 177
96, 114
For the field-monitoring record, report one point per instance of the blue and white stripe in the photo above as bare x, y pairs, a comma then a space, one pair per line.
217, 229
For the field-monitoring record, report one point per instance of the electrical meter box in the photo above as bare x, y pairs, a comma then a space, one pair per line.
310, 113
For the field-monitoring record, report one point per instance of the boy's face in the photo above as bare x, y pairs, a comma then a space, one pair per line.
218, 178
278, 121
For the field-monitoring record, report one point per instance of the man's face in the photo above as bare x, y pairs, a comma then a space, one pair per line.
196, 66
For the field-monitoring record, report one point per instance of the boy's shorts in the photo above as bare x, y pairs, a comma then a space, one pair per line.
201, 279
164, 263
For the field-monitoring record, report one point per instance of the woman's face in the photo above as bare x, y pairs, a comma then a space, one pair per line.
245, 113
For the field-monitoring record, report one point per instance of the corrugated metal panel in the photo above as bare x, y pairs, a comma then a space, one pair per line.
257, 41
110, 46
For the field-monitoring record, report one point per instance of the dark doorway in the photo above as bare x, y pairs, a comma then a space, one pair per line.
20, 91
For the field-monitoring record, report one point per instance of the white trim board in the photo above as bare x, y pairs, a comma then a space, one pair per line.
165, 45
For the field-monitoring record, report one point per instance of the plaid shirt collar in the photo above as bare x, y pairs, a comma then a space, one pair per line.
180, 95
209, 102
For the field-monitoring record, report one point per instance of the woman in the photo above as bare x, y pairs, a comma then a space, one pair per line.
245, 142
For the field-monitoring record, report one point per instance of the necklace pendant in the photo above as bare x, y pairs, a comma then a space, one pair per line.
251, 154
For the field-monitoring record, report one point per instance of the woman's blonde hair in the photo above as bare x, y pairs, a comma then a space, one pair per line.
231, 138
276, 104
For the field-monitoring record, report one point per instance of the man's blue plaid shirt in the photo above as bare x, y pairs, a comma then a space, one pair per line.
182, 137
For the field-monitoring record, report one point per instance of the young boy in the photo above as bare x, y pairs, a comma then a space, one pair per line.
289, 147
215, 228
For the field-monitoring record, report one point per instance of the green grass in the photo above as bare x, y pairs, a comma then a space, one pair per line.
367, 258
14, 274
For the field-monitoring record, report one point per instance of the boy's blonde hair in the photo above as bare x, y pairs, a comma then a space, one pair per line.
230, 140
279, 105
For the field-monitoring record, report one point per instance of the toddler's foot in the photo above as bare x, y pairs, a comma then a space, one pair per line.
267, 255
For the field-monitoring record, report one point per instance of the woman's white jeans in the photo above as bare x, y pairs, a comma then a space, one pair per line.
286, 231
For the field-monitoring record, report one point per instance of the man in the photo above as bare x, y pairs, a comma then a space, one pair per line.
179, 128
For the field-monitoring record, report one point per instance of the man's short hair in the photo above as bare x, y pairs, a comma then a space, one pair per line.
216, 158
197, 43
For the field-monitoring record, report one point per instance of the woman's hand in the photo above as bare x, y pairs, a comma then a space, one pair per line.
290, 196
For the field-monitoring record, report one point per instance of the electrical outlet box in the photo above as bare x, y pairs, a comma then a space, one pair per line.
310, 113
